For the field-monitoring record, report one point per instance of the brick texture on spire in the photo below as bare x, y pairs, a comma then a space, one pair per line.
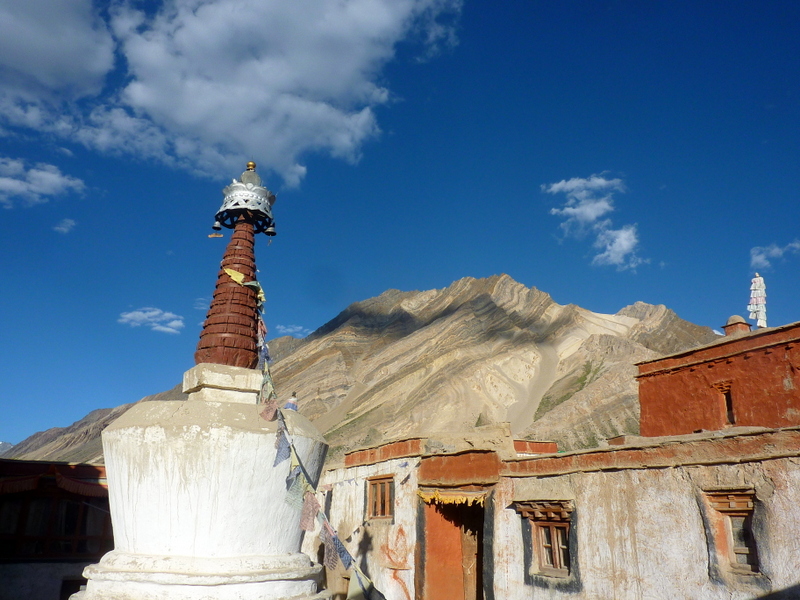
230, 331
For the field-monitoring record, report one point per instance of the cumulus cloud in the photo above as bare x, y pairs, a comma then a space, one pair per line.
618, 247
50, 47
205, 85
154, 318
33, 185
761, 257
588, 201
293, 330
64, 226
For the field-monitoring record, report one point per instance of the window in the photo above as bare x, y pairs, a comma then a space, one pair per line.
550, 524
726, 402
733, 528
380, 497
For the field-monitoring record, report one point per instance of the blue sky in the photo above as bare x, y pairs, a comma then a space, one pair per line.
604, 152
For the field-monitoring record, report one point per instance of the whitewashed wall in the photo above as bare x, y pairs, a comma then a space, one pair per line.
641, 535
384, 550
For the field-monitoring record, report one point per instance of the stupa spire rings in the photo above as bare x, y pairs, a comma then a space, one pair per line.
230, 332
247, 198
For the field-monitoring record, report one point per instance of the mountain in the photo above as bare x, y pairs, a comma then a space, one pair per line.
479, 352
4, 446
80, 442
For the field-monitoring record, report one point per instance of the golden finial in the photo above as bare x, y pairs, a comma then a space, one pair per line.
251, 166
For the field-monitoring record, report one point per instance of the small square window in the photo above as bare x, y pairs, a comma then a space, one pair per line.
550, 524
380, 497
733, 528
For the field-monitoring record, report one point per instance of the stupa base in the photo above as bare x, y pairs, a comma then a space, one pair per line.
122, 576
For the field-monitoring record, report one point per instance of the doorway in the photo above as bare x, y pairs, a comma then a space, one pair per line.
453, 558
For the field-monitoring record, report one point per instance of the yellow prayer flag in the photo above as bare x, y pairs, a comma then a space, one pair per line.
235, 275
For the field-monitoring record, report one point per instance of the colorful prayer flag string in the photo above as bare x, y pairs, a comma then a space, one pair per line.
301, 494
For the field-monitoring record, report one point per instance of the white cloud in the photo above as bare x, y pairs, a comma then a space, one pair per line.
209, 84
293, 330
154, 318
201, 303
34, 184
618, 247
761, 256
65, 226
50, 47
578, 186
588, 201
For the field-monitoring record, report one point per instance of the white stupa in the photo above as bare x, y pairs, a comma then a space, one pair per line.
198, 509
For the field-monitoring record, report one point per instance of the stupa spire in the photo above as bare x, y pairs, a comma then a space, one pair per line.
230, 331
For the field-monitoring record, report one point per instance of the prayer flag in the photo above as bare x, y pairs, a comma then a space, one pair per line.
758, 301
310, 509
283, 446
331, 558
269, 409
344, 555
235, 275
295, 489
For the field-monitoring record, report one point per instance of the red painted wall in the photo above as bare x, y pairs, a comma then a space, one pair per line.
681, 393
449, 470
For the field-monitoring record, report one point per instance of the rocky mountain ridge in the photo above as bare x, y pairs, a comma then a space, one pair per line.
479, 352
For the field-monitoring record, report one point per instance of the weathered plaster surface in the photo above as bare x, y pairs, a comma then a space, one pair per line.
199, 510
640, 533
383, 549
196, 479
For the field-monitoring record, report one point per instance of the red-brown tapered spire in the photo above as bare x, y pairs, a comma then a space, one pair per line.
230, 331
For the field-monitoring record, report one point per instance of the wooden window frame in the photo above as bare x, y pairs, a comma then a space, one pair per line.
380, 498
553, 552
728, 504
550, 524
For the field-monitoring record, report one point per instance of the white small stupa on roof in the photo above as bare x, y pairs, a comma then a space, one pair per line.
758, 301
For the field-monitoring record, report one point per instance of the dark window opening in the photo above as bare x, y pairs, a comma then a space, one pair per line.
734, 537
729, 407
